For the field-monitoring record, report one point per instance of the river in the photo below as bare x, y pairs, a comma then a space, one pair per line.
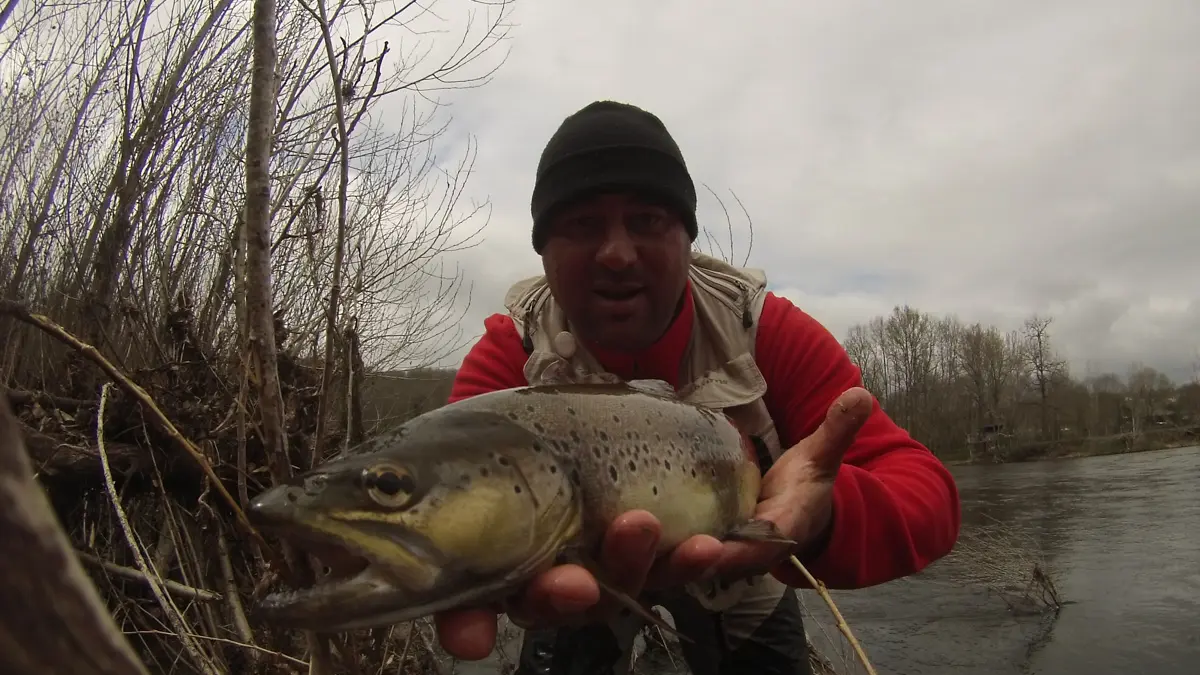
1119, 534
1122, 535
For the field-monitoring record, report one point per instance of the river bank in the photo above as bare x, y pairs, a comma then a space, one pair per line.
1075, 448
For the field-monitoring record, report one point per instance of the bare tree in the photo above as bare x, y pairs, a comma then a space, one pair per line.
1044, 366
239, 208
1148, 390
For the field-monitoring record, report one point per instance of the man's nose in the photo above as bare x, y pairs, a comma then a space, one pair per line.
617, 250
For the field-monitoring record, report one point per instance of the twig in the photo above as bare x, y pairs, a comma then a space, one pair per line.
407, 646
815, 657
240, 622
171, 612
172, 587
837, 614
48, 326
662, 639
16, 397
213, 638
437, 668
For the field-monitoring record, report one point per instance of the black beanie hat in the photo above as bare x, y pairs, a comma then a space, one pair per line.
608, 145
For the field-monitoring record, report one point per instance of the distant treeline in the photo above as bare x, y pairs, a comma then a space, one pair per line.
392, 397
965, 390
972, 390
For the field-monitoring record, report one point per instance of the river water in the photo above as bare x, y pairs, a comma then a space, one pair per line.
1120, 536
1120, 533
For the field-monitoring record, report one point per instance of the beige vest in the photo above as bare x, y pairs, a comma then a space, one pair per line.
718, 370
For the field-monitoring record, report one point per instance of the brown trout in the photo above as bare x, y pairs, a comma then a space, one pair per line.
463, 504
52, 620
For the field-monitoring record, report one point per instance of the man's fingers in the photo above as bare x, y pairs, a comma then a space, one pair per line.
687, 562
746, 558
628, 550
555, 595
468, 635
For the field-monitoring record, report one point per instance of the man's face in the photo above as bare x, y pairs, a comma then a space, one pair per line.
617, 265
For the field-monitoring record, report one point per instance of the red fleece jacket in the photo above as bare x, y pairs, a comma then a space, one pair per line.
896, 507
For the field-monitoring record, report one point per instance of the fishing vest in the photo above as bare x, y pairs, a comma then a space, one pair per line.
718, 369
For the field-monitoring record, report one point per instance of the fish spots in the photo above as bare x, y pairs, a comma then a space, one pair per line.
530, 408
632, 465
539, 427
516, 488
553, 468
617, 419
693, 472
597, 451
502, 460
654, 490
612, 472
575, 436
602, 434
575, 477
667, 464
483, 471
514, 416
571, 411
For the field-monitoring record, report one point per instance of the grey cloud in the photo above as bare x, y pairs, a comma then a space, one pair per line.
986, 159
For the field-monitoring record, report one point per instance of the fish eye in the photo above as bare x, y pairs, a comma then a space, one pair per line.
389, 485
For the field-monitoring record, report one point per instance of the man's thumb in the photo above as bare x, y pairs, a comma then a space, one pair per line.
845, 417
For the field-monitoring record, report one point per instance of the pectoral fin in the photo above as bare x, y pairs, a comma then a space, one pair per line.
758, 530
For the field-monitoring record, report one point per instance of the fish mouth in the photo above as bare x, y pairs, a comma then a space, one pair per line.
356, 587
338, 562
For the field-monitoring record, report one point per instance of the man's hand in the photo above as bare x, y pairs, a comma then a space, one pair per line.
797, 492
568, 594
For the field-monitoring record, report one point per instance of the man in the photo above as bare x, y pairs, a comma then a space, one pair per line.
623, 294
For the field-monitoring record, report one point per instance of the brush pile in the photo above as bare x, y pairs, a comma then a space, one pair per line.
164, 549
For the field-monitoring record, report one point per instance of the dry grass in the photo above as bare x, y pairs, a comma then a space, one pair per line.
166, 544
660, 648
1008, 564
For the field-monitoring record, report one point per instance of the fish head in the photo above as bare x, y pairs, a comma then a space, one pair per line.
455, 509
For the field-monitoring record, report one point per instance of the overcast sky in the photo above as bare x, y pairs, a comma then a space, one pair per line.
988, 159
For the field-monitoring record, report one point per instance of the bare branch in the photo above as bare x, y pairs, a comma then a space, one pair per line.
172, 587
